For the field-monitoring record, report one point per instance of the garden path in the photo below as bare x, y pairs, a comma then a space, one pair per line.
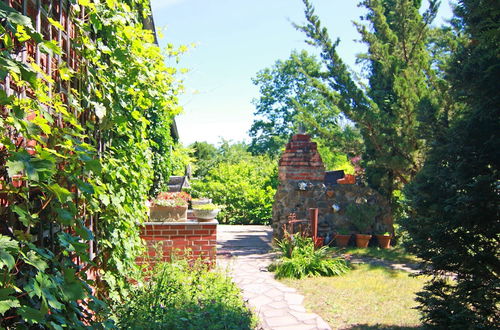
245, 252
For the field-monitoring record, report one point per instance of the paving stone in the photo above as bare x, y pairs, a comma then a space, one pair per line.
280, 321
297, 308
277, 306
296, 327
273, 312
260, 300
294, 298
304, 316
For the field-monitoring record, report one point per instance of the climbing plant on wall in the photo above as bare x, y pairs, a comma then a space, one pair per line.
76, 162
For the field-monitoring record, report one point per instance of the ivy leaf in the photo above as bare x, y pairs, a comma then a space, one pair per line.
6, 304
65, 216
24, 216
62, 194
104, 199
50, 47
56, 24
36, 261
13, 16
22, 161
8, 243
30, 315
100, 110
6, 259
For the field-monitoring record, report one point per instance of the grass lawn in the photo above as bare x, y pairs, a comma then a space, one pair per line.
395, 254
368, 297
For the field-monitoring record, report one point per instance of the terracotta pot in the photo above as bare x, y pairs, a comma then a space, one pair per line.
319, 242
362, 240
342, 240
168, 213
384, 241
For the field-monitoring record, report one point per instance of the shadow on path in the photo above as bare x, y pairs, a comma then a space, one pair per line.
238, 240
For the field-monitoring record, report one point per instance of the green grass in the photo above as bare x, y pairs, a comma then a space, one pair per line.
368, 297
396, 254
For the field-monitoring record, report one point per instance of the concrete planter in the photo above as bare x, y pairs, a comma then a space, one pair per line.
205, 215
168, 213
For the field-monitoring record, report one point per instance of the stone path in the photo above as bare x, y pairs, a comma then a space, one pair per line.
245, 252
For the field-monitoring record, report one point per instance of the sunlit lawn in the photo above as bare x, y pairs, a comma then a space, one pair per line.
396, 254
368, 297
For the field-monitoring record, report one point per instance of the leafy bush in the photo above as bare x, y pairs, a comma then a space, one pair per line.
246, 187
300, 259
180, 296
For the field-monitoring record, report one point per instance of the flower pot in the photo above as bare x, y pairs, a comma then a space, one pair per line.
160, 213
362, 240
318, 242
201, 201
384, 241
342, 240
205, 215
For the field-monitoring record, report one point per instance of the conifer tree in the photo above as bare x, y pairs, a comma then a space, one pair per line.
454, 225
397, 73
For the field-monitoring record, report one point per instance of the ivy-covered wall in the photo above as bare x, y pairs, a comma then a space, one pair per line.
86, 104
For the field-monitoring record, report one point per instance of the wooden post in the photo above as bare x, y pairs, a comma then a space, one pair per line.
313, 215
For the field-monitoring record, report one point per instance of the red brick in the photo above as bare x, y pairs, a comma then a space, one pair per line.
185, 232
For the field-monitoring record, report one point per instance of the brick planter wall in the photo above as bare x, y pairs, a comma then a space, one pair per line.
176, 237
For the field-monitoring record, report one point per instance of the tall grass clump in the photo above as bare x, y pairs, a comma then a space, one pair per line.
299, 258
181, 296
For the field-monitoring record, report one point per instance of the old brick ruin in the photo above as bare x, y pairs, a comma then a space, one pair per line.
302, 186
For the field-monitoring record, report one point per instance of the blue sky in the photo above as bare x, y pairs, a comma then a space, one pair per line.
234, 40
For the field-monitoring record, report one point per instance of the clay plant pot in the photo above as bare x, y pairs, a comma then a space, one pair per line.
160, 213
319, 242
342, 240
384, 241
362, 240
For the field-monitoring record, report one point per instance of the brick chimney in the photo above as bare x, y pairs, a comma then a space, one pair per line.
301, 160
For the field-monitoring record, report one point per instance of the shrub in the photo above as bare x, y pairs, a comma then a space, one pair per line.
300, 259
183, 296
246, 188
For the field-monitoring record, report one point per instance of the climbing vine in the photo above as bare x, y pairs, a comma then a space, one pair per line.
77, 165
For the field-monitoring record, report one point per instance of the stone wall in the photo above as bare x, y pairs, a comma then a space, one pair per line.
301, 176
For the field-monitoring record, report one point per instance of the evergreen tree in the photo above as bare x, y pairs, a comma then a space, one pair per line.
287, 99
454, 225
395, 90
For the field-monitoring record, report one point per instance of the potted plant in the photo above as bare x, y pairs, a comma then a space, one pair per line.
205, 212
384, 240
169, 207
200, 201
362, 216
342, 237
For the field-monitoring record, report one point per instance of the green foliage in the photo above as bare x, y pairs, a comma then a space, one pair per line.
65, 180
453, 220
287, 101
179, 296
205, 155
400, 86
300, 259
362, 216
243, 183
